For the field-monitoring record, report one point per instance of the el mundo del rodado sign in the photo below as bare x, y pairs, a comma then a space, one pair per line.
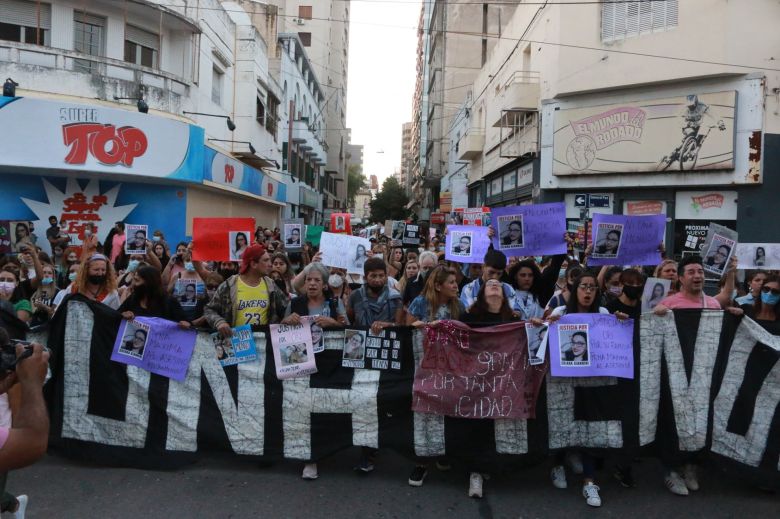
692, 132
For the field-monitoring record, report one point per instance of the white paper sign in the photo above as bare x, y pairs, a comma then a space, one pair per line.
758, 256
344, 251
656, 289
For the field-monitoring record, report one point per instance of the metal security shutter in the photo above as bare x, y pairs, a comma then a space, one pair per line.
142, 37
19, 12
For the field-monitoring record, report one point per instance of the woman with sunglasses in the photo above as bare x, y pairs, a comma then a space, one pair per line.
584, 299
766, 309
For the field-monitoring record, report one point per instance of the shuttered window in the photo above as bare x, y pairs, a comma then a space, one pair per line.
25, 22
621, 20
141, 47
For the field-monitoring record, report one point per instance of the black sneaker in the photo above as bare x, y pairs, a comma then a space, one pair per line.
417, 476
624, 477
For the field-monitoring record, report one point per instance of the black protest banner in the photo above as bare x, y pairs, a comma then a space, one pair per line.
705, 383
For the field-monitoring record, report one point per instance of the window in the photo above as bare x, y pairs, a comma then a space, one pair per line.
272, 115
88, 38
260, 111
304, 12
217, 77
621, 20
305, 38
23, 22
141, 47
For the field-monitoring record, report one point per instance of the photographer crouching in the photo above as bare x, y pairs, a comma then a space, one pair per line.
22, 371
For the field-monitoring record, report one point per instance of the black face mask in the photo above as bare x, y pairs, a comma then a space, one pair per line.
96, 279
226, 273
632, 292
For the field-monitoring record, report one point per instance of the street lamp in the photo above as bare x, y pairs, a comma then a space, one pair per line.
230, 124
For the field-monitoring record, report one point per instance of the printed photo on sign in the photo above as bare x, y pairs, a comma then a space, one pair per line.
411, 234
134, 339
238, 243
718, 254
398, 230
292, 235
607, 244
758, 256
461, 244
510, 231
358, 258
316, 332
354, 354
136, 239
20, 235
655, 290
293, 354
224, 350
574, 345
537, 343
187, 292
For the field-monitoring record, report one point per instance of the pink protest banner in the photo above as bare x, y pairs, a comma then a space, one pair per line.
221, 239
477, 373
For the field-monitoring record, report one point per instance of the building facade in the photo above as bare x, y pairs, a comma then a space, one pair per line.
629, 110
173, 93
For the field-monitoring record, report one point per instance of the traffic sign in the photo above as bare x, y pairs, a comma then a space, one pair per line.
598, 200
580, 200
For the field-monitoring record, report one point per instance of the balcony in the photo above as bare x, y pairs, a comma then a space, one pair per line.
303, 135
37, 67
471, 145
520, 93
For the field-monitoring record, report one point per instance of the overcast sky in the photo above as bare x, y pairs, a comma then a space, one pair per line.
382, 74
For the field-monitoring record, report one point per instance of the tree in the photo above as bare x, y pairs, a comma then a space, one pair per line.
390, 202
355, 182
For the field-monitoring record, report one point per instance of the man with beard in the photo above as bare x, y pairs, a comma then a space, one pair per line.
375, 304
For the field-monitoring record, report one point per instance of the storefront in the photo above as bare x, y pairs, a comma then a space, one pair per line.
512, 184
691, 152
97, 164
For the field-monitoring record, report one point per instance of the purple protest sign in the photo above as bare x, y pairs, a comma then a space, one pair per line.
156, 345
529, 230
627, 240
592, 345
466, 243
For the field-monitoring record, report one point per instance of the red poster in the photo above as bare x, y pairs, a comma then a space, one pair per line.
221, 239
437, 218
644, 207
340, 223
477, 373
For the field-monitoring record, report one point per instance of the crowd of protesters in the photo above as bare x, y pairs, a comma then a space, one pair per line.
400, 286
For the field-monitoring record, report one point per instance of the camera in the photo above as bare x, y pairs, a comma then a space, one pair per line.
8, 358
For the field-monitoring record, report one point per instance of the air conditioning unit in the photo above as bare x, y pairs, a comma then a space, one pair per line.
299, 21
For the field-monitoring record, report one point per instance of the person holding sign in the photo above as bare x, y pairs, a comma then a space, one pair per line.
584, 299
691, 295
251, 297
493, 268
438, 301
316, 301
147, 299
375, 304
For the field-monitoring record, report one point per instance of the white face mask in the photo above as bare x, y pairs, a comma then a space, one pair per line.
7, 287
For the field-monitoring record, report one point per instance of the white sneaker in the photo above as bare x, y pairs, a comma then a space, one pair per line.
558, 477
591, 494
675, 484
689, 477
574, 459
310, 471
19, 514
475, 485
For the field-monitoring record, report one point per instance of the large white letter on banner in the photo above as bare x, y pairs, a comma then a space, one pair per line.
245, 425
564, 430
747, 449
76, 422
658, 339
300, 401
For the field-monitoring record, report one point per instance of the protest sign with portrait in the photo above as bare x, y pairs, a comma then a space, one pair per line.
719, 247
135, 243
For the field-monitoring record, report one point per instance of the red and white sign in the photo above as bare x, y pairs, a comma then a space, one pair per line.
437, 218
706, 205
56, 135
644, 207
227, 171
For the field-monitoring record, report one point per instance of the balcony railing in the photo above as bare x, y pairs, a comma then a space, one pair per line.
128, 76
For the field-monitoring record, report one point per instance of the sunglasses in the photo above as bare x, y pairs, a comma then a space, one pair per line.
775, 291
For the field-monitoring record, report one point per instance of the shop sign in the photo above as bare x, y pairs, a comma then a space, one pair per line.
686, 133
525, 175
445, 201
644, 207
706, 205
52, 134
227, 171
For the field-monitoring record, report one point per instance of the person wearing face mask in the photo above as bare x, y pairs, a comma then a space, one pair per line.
765, 310
89, 241
176, 263
70, 257
96, 280
226, 269
26, 286
9, 280
43, 298
70, 275
609, 283
126, 279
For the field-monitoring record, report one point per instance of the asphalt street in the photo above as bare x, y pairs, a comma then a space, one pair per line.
225, 487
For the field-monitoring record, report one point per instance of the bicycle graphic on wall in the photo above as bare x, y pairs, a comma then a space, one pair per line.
687, 154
